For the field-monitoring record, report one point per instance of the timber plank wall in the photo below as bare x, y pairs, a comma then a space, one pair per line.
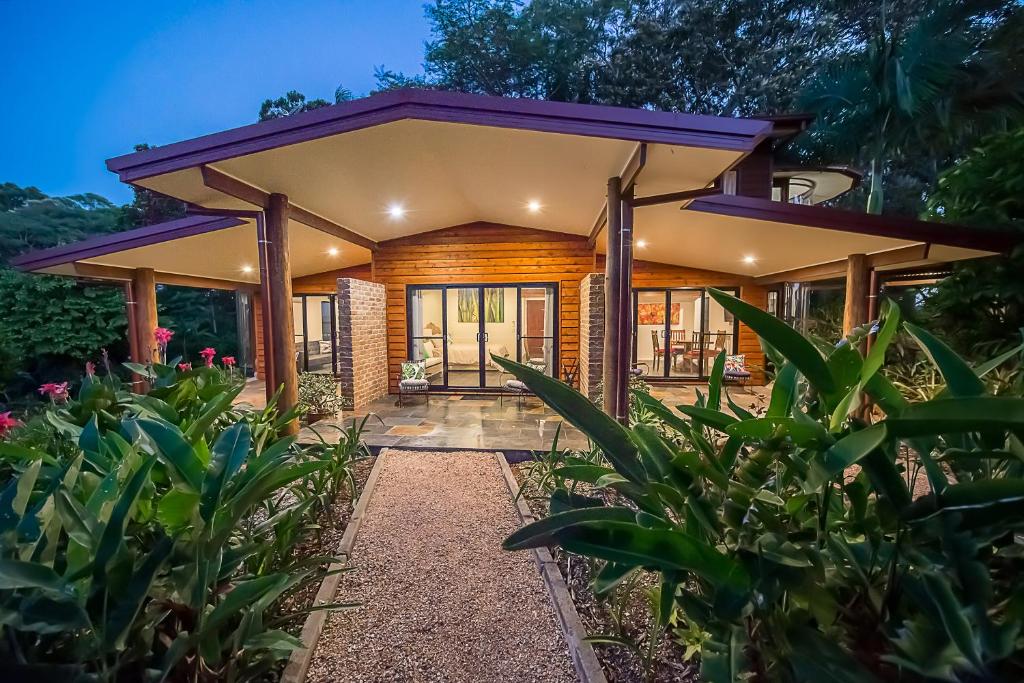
482, 253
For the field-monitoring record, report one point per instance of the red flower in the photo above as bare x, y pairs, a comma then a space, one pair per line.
228, 360
55, 392
7, 423
90, 368
162, 335
208, 354
184, 367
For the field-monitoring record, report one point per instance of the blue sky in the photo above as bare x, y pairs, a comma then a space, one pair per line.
84, 81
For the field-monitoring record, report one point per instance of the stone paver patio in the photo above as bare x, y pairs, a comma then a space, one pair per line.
475, 421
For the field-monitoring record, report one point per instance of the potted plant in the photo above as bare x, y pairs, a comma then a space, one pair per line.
318, 396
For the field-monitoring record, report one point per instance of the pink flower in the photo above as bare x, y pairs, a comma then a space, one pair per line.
163, 336
90, 369
184, 367
7, 423
228, 360
208, 354
55, 392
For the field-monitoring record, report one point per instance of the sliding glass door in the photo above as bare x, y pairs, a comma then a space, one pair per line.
455, 329
678, 332
315, 333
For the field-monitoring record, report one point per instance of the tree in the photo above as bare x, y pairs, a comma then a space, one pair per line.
915, 92
294, 102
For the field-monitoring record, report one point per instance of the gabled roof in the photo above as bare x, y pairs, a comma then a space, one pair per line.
638, 125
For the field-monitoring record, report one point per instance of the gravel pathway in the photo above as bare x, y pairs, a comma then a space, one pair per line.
441, 600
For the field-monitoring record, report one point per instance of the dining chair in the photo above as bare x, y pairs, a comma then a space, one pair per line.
656, 345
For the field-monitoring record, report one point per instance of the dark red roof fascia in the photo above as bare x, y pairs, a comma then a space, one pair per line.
639, 125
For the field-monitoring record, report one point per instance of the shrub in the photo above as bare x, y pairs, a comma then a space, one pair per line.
132, 531
794, 543
318, 394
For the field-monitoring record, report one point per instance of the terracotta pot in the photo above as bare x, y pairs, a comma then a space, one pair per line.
313, 418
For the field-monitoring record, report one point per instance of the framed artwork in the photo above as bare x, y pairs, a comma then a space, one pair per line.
654, 314
494, 305
469, 306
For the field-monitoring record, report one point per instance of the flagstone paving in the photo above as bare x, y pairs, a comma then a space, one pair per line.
441, 601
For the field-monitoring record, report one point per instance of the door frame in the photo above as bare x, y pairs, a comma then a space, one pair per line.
665, 376
481, 341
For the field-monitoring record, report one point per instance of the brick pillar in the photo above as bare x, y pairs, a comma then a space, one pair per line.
362, 340
591, 334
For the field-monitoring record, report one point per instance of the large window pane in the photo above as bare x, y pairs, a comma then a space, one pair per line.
684, 316
427, 325
537, 329
462, 306
314, 340
650, 331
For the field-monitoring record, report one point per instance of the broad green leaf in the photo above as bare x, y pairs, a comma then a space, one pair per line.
722, 659
876, 356
959, 415
586, 473
579, 411
112, 536
176, 451
714, 401
16, 574
668, 549
960, 378
846, 452
953, 618
176, 509
13, 451
542, 532
817, 658
211, 411
610, 576
229, 452
783, 391
708, 416
128, 602
241, 596
803, 433
782, 337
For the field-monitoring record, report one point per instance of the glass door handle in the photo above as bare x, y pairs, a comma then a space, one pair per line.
487, 336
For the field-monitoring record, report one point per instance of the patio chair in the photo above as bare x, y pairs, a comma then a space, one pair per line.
413, 380
510, 386
570, 371
736, 371
656, 343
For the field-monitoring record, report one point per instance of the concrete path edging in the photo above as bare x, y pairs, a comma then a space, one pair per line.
584, 659
301, 658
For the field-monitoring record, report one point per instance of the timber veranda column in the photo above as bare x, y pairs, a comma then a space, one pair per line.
279, 286
613, 292
625, 314
858, 279
143, 303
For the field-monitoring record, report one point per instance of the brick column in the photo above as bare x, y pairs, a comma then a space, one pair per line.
591, 334
362, 340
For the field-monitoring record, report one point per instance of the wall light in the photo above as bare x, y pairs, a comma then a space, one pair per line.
533, 206
749, 260
333, 251
641, 244
396, 211
247, 269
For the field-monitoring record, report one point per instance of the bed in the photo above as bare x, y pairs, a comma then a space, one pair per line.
468, 353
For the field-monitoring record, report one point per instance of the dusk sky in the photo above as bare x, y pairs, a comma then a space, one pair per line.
86, 81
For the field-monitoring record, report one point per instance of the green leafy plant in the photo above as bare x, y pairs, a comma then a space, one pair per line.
156, 542
793, 539
318, 394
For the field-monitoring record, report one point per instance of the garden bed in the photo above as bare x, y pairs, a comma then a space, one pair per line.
325, 541
629, 618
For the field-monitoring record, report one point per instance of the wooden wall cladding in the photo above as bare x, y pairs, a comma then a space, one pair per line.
481, 253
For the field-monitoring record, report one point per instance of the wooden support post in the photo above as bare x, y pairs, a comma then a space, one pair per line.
613, 292
855, 311
266, 316
134, 353
873, 286
625, 340
144, 295
282, 329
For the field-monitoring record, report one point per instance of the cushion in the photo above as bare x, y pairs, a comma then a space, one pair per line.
429, 350
735, 364
516, 385
414, 369
736, 373
414, 384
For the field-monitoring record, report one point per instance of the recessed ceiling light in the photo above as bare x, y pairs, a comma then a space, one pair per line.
640, 244
533, 206
333, 251
246, 269
749, 259
396, 211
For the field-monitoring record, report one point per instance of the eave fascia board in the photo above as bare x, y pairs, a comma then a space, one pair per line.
827, 218
637, 125
103, 245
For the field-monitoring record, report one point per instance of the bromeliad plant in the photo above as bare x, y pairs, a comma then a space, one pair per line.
809, 544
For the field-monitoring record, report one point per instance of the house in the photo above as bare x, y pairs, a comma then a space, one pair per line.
446, 227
